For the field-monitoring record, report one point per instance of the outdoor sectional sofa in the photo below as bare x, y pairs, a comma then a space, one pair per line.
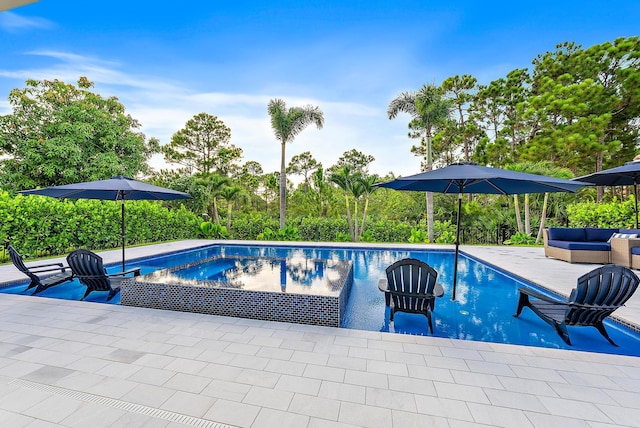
591, 245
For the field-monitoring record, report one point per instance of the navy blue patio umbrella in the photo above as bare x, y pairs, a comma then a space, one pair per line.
113, 189
625, 175
469, 177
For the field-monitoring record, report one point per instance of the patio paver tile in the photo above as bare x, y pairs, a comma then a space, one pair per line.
366, 416
233, 413
391, 400
229, 391
499, 416
195, 405
343, 392
188, 383
324, 373
299, 384
268, 418
374, 380
315, 406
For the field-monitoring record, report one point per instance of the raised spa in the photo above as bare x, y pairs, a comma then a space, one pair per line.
296, 289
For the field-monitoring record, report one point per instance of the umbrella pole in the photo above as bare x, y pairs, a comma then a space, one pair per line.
635, 199
455, 262
123, 234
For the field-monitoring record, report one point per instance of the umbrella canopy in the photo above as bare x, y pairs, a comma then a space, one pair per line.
625, 175
468, 177
113, 189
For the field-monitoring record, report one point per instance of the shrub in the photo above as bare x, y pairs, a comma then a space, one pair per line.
520, 238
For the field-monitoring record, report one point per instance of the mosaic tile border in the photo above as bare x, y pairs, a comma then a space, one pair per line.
213, 298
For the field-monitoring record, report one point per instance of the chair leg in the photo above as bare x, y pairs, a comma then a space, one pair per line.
523, 301
603, 331
32, 284
564, 334
391, 313
112, 293
428, 314
86, 293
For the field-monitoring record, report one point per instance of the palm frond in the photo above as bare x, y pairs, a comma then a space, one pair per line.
405, 103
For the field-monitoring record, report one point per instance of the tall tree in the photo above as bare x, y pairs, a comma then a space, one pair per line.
303, 164
356, 159
428, 110
250, 177
60, 133
203, 145
287, 124
459, 89
588, 105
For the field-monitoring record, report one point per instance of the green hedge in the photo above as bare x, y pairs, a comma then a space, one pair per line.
41, 226
603, 214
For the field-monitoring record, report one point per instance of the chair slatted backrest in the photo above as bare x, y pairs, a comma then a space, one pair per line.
17, 261
411, 283
88, 268
604, 289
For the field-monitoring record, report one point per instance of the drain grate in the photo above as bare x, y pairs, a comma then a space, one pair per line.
122, 405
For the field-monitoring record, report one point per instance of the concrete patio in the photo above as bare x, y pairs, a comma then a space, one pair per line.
79, 364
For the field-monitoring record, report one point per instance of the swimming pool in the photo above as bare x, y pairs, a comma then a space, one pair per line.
485, 302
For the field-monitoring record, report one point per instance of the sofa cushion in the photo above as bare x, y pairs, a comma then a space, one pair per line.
593, 234
635, 251
567, 234
576, 245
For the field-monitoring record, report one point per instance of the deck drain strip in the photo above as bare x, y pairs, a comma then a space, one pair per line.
122, 405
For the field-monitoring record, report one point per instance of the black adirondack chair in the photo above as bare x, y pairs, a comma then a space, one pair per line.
598, 293
87, 266
411, 287
41, 282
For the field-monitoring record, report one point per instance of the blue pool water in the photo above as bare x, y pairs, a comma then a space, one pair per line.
486, 298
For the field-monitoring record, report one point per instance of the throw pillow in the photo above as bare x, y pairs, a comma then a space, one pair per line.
623, 236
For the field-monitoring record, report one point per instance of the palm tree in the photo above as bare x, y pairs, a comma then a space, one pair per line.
367, 184
287, 124
428, 110
213, 185
231, 194
343, 177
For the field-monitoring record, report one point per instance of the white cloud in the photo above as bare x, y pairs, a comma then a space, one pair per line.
162, 107
14, 23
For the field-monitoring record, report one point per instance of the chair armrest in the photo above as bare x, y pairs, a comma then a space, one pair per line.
538, 295
134, 271
38, 268
438, 290
58, 268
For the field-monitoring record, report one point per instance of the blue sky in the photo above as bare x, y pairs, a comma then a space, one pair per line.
168, 61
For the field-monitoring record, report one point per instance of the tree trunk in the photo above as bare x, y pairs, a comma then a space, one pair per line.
346, 198
229, 217
356, 235
543, 218
216, 216
364, 215
516, 205
283, 186
430, 233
